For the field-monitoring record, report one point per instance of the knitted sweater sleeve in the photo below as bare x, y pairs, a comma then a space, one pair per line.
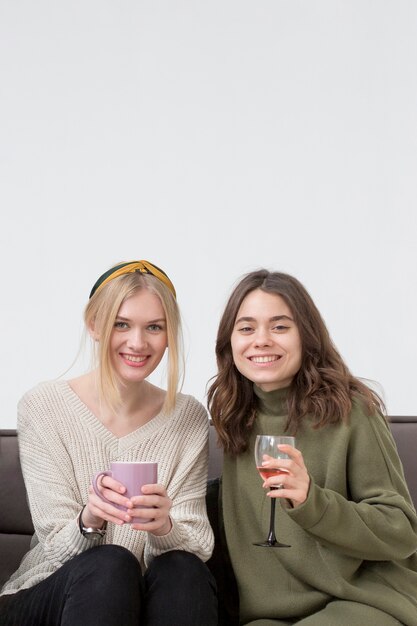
53, 493
191, 530
376, 519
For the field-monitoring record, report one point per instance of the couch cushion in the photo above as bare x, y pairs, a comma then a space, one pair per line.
14, 512
404, 430
16, 526
12, 549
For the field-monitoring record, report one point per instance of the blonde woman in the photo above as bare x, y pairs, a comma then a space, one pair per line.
91, 564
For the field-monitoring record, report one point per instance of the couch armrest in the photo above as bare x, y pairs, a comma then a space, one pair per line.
16, 528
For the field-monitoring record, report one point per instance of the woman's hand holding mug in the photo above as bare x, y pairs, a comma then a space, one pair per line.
129, 493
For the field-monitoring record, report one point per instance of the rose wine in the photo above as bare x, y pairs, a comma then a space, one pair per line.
267, 472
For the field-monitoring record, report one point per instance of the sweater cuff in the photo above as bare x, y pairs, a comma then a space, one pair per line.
70, 543
312, 510
156, 545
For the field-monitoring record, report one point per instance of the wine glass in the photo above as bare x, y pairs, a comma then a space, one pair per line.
268, 444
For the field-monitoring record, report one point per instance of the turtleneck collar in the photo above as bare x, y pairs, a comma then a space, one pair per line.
272, 402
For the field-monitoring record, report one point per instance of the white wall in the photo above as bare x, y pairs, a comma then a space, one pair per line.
211, 138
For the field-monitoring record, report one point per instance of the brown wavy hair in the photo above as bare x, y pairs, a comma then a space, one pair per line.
322, 390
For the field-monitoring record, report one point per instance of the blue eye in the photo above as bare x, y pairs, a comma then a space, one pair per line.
120, 325
155, 328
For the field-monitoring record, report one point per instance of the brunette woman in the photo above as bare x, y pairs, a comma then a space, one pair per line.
345, 508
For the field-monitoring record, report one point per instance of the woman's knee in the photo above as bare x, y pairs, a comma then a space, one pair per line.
180, 589
107, 564
113, 557
177, 565
174, 559
106, 582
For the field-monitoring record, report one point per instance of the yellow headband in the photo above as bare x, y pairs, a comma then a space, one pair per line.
144, 267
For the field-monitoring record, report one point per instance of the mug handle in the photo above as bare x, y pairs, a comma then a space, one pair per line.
95, 486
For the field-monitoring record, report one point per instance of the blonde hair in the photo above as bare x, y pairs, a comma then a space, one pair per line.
100, 315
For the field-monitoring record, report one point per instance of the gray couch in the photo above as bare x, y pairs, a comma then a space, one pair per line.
16, 526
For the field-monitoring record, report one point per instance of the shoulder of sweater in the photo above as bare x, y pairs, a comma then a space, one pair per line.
40, 400
372, 428
360, 415
189, 405
188, 419
42, 391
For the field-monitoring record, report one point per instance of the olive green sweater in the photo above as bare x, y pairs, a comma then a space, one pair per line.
354, 538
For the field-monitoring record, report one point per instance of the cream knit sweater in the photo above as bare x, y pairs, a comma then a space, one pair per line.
62, 445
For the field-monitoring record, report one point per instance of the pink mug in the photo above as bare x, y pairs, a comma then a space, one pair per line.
133, 475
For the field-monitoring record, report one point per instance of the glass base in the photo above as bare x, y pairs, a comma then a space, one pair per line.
272, 544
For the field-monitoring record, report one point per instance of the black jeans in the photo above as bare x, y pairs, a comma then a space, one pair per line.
104, 586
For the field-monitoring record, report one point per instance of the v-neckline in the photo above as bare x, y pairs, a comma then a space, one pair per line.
101, 431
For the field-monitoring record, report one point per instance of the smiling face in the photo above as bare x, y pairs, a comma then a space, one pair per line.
139, 337
266, 344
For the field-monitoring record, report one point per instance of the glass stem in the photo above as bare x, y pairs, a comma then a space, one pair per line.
271, 535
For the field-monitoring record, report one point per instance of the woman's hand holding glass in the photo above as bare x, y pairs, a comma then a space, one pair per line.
294, 483
154, 496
